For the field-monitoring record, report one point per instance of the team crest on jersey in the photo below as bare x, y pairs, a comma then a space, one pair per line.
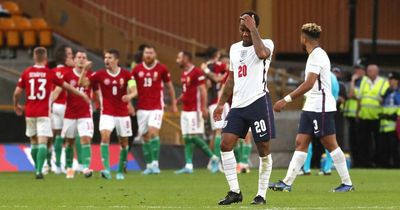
73, 82
58, 74
141, 74
107, 81
121, 82
155, 75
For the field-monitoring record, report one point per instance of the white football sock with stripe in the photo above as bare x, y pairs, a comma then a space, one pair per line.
229, 164
264, 172
298, 160
339, 160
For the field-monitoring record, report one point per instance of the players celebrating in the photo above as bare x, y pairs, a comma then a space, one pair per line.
216, 72
150, 76
38, 82
251, 106
78, 117
64, 59
194, 100
317, 118
117, 88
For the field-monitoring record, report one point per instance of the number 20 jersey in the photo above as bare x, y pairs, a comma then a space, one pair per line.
250, 73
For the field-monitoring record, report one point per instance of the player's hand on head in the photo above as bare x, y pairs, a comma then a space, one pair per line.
249, 22
279, 105
218, 113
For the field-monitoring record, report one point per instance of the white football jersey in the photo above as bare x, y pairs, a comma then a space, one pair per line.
319, 98
250, 73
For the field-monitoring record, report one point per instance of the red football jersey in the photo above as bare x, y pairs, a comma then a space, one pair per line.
60, 71
38, 82
191, 80
76, 107
150, 85
219, 69
112, 88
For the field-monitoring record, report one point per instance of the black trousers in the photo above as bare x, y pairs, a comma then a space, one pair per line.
354, 141
389, 147
368, 139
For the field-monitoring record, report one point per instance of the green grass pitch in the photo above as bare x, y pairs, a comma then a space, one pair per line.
375, 189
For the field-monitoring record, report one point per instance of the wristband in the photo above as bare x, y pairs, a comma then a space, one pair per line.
288, 98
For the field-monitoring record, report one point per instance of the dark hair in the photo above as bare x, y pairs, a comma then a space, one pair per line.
142, 46
211, 52
224, 56
113, 52
149, 47
60, 55
188, 55
81, 51
252, 13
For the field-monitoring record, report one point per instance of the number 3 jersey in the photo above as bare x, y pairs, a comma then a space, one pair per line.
150, 85
112, 88
250, 73
76, 107
38, 83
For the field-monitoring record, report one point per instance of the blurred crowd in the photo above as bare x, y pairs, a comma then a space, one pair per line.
369, 102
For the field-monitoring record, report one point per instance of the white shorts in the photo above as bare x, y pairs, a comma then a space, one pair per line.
57, 116
38, 126
218, 124
82, 126
149, 118
121, 124
192, 123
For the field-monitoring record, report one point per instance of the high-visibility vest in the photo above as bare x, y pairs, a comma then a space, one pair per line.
389, 108
371, 97
350, 105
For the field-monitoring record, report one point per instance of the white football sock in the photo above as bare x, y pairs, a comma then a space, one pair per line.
298, 160
264, 172
229, 164
189, 166
339, 160
155, 163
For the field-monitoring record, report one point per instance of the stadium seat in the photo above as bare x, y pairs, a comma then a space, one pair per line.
25, 28
43, 30
12, 7
8, 26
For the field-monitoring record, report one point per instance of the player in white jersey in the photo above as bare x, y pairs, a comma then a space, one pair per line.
317, 118
251, 106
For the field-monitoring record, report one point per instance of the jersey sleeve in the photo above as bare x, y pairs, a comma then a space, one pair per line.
269, 44
166, 76
93, 78
55, 79
21, 81
201, 78
314, 64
